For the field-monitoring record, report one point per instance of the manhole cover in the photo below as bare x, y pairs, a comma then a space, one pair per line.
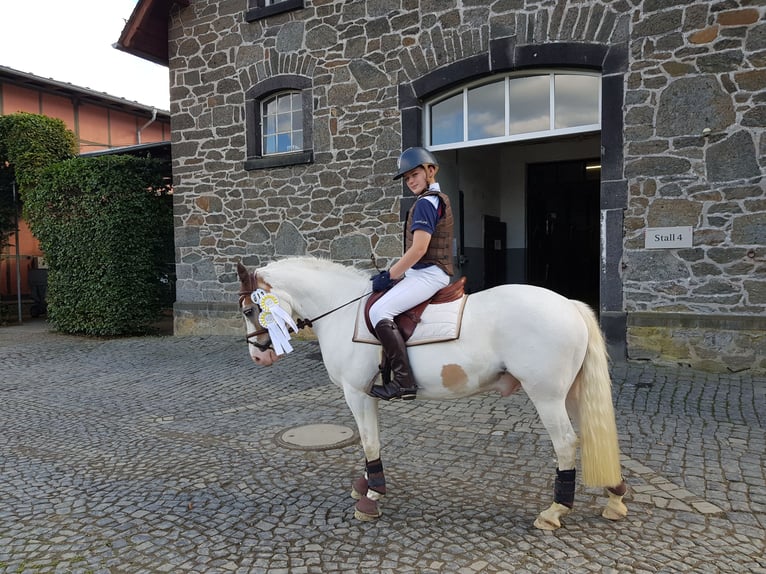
317, 437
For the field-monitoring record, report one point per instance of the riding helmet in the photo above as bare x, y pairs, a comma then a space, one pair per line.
412, 158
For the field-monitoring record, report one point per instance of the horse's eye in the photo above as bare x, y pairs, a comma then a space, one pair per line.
248, 312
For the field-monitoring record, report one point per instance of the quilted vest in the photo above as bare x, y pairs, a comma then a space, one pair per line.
440, 249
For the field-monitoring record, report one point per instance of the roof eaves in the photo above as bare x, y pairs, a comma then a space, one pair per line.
27, 80
145, 34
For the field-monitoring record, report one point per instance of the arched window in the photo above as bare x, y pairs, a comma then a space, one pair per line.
515, 107
279, 122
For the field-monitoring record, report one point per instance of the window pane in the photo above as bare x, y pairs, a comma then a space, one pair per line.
269, 144
529, 104
297, 141
486, 111
576, 100
283, 104
447, 120
282, 123
283, 143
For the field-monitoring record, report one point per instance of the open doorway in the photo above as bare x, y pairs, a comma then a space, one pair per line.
563, 228
496, 210
494, 251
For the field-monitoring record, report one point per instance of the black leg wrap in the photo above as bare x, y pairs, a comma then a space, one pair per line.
564, 489
376, 480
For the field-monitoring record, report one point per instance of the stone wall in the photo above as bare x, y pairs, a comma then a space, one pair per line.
693, 150
695, 155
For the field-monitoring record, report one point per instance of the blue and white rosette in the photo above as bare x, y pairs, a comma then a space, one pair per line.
275, 319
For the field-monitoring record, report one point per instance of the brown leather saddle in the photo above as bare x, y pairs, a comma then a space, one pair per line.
408, 320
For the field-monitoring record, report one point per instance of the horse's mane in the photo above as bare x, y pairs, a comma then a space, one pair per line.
305, 263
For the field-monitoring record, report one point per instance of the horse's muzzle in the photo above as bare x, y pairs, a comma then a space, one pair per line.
263, 358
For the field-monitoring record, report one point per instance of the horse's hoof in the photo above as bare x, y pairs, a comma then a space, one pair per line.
365, 517
359, 488
543, 524
549, 519
610, 514
615, 509
366, 510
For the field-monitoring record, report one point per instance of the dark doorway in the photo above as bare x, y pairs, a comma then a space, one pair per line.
494, 251
563, 228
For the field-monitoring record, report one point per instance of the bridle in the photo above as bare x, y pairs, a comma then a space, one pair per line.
249, 312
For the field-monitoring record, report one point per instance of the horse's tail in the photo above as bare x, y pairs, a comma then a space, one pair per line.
600, 452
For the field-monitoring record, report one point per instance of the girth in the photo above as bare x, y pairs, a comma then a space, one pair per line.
407, 321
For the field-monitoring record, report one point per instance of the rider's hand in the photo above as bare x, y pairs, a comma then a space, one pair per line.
381, 281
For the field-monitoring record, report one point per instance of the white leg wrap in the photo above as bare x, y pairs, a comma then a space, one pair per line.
372, 495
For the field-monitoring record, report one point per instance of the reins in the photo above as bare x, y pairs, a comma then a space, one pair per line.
301, 323
310, 322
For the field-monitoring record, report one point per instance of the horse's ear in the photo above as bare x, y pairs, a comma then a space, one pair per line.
244, 276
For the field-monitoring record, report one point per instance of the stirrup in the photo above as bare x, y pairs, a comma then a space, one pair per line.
392, 391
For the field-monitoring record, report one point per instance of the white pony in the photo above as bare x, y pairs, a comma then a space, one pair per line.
512, 336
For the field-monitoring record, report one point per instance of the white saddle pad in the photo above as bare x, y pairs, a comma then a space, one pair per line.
440, 322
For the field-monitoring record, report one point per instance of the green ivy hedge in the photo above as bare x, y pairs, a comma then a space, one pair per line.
104, 224
28, 143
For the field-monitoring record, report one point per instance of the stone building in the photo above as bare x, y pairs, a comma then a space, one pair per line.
612, 150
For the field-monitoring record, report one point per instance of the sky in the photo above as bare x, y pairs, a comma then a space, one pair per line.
72, 42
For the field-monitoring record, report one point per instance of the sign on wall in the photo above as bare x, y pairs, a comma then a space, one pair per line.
667, 237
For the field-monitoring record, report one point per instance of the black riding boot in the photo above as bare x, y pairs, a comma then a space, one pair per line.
402, 386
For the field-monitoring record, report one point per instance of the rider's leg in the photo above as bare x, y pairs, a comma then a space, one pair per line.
417, 286
402, 385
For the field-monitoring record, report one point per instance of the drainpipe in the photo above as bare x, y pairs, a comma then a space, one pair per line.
18, 255
147, 124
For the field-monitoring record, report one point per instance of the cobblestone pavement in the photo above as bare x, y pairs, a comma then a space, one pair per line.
159, 455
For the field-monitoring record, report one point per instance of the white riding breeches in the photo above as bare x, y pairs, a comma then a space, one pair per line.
416, 286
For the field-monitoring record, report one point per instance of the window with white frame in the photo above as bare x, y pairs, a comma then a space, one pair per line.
515, 107
282, 123
258, 9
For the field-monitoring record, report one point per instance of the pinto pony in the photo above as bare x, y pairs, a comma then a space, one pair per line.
511, 337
